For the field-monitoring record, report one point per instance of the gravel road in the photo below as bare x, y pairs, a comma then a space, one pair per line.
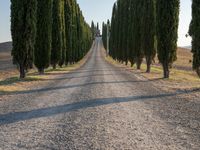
99, 106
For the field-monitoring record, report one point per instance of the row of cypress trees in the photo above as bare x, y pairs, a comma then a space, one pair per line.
95, 29
105, 27
48, 32
142, 28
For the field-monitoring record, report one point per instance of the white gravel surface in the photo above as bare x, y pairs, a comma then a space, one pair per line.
101, 107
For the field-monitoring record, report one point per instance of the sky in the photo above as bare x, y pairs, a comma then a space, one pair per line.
99, 11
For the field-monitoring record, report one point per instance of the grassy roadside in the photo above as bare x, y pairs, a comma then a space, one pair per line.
181, 78
13, 83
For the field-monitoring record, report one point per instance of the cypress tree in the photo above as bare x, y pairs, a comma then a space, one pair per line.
42, 53
139, 53
124, 31
113, 32
130, 23
149, 31
195, 34
118, 31
73, 33
103, 34
107, 30
97, 26
23, 29
167, 28
133, 30
68, 29
63, 30
56, 52
93, 29
117, 36
79, 34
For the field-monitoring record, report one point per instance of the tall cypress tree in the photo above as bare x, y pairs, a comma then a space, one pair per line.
79, 34
23, 29
68, 29
104, 35
139, 53
56, 52
113, 32
97, 26
125, 14
134, 33
93, 29
73, 33
42, 53
167, 32
63, 31
118, 29
195, 34
149, 31
130, 23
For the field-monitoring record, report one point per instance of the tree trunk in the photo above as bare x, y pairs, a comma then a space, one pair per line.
41, 71
132, 63
139, 62
148, 61
54, 66
126, 62
148, 68
166, 70
22, 71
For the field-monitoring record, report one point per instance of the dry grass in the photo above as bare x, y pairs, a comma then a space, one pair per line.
181, 75
10, 82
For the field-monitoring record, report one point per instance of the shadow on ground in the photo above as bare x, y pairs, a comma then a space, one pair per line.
51, 111
41, 90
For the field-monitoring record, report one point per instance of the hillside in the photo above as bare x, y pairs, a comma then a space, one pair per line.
7, 69
5, 47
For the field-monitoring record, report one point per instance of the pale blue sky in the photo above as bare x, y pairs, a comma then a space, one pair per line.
97, 10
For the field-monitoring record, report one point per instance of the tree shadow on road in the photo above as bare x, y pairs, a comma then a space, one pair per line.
49, 89
51, 111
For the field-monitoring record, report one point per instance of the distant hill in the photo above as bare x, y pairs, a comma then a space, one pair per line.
5, 47
187, 47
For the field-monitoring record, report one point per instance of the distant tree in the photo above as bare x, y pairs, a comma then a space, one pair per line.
97, 26
42, 53
23, 29
104, 34
93, 29
195, 34
149, 31
56, 52
167, 32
